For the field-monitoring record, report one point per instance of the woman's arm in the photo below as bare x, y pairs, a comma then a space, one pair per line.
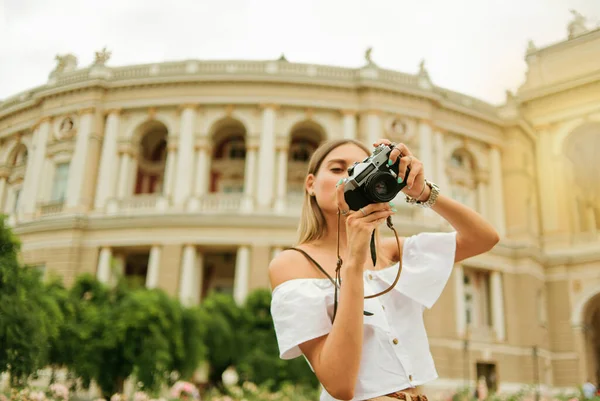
334, 357
474, 235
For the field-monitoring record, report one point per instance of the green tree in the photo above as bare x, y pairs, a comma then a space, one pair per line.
129, 330
29, 316
260, 362
221, 319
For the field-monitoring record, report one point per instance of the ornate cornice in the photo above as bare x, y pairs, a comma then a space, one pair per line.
40, 121
376, 112
273, 106
348, 112
86, 110
327, 77
113, 111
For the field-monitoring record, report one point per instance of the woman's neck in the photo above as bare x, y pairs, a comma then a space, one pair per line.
330, 236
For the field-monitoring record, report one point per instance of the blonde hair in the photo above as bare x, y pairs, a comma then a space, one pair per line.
312, 222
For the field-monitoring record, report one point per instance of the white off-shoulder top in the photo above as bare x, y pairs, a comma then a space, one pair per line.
395, 352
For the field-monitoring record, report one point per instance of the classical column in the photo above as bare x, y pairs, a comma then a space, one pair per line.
153, 267
185, 159
266, 158
374, 127
439, 172
202, 167
77, 168
425, 153
107, 176
133, 170
170, 167
47, 180
497, 298
242, 273
103, 271
547, 181
34, 168
188, 266
459, 289
282, 158
276, 251
497, 191
349, 124
426, 145
249, 178
482, 196
124, 170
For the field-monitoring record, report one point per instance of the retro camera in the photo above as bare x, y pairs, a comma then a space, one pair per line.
372, 180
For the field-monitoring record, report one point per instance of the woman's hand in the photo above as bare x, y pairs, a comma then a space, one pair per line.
415, 182
359, 226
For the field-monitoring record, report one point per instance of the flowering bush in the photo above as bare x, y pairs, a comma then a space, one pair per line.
251, 392
58, 391
185, 390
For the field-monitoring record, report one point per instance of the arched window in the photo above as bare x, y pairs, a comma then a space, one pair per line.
19, 157
228, 165
152, 158
305, 139
301, 150
235, 149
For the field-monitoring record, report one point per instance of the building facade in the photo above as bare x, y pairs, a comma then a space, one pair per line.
188, 176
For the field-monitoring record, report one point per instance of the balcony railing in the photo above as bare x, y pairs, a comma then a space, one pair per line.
481, 333
51, 208
221, 202
141, 203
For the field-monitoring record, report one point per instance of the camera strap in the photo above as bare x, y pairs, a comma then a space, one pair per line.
338, 279
337, 282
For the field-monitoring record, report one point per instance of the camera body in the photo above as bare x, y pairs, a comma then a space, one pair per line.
372, 180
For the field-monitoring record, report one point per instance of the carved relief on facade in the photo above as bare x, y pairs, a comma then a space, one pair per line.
400, 129
65, 128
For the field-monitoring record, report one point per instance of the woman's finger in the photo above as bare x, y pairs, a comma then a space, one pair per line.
373, 217
399, 150
341, 201
416, 168
381, 141
375, 207
405, 164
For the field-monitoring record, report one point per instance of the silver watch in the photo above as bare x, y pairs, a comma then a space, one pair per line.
433, 195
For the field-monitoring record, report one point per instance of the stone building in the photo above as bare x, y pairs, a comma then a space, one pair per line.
188, 176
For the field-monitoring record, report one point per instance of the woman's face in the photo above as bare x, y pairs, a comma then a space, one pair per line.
333, 168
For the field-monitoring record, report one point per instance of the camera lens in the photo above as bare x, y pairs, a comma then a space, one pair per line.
381, 187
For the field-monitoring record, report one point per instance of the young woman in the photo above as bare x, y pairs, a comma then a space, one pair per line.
373, 348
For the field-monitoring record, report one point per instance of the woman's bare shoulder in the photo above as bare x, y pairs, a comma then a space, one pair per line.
288, 265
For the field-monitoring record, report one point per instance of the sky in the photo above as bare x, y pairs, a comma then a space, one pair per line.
476, 47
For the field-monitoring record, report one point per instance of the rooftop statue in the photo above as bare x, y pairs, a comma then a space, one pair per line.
577, 25
102, 57
65, 63
368, 57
